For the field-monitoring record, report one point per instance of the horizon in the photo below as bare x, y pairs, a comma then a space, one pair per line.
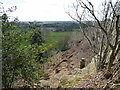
48, 21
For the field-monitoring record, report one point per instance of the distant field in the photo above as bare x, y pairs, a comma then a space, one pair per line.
55, 36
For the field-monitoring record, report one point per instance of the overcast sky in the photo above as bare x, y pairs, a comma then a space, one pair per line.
42, 10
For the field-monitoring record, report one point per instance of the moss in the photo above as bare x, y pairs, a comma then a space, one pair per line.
73, 82
117, 81
78, 79
63, 82
69, 85
117, 88
86, 77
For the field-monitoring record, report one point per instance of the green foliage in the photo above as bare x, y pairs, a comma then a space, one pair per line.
58, 35
61, 40
20, 58
63, 82
64, 42
30, 67
18, 62
36, 37
10, 53
24, 52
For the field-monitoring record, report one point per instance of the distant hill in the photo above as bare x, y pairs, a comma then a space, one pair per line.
54, 25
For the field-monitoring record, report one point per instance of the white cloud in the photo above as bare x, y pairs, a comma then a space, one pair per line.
41, 10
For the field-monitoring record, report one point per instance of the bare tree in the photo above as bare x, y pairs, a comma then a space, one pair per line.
105, 39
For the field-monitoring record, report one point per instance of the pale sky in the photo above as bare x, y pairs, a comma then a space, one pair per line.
42, 10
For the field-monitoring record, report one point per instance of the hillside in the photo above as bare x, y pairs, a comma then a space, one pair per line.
56, 26
73, 68
65, 70
67, 63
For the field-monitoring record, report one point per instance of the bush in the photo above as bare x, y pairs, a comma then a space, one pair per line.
21, 60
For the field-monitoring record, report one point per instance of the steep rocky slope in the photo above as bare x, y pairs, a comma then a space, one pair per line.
67, 65
65, 70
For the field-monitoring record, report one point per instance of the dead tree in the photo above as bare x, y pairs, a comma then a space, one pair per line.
106, 30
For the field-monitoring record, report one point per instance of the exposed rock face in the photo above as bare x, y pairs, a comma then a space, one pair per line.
71, 67
71, 63
75, 68
64, 79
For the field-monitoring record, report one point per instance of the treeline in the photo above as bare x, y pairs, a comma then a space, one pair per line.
53, 26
